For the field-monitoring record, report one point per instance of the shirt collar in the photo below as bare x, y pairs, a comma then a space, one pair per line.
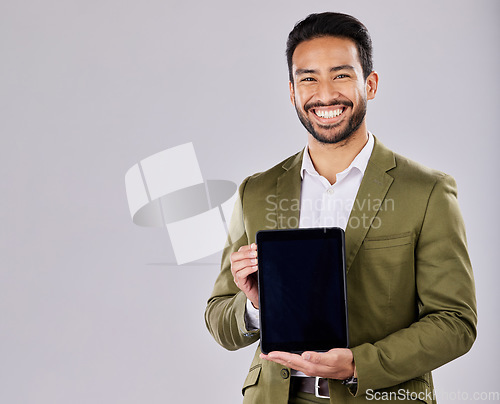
360, 161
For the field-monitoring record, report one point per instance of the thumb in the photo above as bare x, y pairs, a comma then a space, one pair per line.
313, 357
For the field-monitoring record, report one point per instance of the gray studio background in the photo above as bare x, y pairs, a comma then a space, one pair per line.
92, 307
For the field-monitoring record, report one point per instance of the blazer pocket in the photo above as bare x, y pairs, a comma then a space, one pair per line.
375, 243
252, 377
384, 291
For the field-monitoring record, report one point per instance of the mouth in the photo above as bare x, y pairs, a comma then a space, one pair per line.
330, 114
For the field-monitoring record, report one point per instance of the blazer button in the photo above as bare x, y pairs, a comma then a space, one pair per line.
285, 374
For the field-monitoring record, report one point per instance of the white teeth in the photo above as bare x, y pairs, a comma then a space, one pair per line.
328, 114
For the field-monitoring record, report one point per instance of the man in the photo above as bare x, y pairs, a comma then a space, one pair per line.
409, 280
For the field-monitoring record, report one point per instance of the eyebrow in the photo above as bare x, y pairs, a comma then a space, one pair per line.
333, 69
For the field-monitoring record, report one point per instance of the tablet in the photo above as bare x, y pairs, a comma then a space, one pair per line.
302, 290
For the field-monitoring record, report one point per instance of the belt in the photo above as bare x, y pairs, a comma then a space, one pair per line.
312, 385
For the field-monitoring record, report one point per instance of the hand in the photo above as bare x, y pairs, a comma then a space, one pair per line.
337, 363
244, 269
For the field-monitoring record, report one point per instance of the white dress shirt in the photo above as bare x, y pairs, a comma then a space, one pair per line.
323, 204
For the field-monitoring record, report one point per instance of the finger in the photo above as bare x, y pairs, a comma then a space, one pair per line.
285, 358
243, 255
313, 357
332, 358
297, 362
245, 248
242, 264
242, 278
322, 364
290, 361
242, 259
246, 271
275, 358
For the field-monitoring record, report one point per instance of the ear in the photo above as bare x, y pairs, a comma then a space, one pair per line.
292, 93
371, 85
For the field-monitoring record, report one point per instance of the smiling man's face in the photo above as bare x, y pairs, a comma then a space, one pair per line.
329, 91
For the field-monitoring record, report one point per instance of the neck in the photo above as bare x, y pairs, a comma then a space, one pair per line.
331, 159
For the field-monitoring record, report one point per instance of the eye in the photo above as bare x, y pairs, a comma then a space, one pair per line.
307, 79
341, 76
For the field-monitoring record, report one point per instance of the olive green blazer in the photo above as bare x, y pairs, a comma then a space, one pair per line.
411, 298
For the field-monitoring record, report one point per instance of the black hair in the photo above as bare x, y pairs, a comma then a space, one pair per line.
332, 24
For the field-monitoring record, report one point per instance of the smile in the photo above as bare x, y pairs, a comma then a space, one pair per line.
328, 113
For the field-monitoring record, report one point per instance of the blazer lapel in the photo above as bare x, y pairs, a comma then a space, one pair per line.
371, 193
288, 193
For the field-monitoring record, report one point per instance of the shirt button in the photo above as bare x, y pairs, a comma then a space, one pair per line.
330, 191
285, 374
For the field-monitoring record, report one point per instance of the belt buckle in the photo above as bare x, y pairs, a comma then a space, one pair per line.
316, 388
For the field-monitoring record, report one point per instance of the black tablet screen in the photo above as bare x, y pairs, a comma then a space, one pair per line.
302, 291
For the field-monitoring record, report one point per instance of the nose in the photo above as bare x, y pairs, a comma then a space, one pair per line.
327, 91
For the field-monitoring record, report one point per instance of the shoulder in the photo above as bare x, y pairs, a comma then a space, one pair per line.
420, 177
266, 179
407, 171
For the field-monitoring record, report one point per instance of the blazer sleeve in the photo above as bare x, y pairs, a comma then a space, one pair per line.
446, 326
224, 314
